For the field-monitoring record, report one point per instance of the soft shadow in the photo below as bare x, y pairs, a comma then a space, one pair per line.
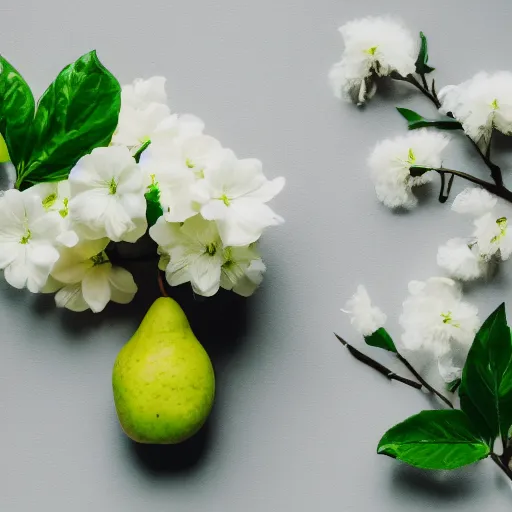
438, 486
162, 460
7, 176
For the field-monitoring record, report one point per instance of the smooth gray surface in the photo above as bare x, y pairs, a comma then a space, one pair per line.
296, 420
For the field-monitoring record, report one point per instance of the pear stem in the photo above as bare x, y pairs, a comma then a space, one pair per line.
161, 285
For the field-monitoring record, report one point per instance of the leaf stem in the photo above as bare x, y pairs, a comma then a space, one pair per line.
161, 285
141, 150
502, 465
499, 190
368, 361
424, 383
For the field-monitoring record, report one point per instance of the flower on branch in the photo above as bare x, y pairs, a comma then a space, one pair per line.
374, 47
491, 240
436, 319
462, 260
364, 317
391, 160
481, 104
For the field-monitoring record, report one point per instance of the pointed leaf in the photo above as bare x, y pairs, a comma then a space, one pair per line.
77, 113
381, 339
422, 66
486, 388
435, 440
415, 121
16, 110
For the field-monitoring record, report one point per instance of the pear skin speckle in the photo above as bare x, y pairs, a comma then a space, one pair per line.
163, 379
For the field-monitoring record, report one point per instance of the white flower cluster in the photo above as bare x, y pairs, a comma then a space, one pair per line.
435, 319
374, 47
391, 160
491, 241
53, 236
481, 104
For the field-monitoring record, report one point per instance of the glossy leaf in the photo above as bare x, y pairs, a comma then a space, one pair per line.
154, 208
486, 387
16, 110
415, 121
381, 339
422, 66
77, 113
435, 440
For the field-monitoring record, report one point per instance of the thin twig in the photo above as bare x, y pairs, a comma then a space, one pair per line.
502, 465
500, 191
363, 358
411, 368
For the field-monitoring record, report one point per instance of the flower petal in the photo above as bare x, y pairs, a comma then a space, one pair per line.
96, 287
71, 297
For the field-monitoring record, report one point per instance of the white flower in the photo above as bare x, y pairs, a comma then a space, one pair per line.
242, 270
373, 47
174, 164
29, 235
482, 103
434, 317
87, 279
234, 193
143, 110
107, 189
195, 253
474, 201
142, 93
135, 127
493, 236
55, 198
365, 318
391, 160
462, 260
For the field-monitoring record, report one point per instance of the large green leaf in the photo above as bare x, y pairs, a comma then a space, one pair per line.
422, 66
77, 113
381, 339
16, 110
435, 440
415, 121
486, 387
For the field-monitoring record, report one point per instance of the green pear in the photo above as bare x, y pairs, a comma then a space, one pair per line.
163, 379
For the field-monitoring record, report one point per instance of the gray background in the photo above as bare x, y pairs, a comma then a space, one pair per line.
296, 420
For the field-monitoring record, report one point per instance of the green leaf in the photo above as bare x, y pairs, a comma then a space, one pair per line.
77, 113
486, 388
17, 108
453, 385
415, 121
154, 208
435, 440
381, 339
422, 67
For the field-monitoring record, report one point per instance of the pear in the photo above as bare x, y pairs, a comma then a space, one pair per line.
163, 379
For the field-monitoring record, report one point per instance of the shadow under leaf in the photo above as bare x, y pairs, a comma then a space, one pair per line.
439, 486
